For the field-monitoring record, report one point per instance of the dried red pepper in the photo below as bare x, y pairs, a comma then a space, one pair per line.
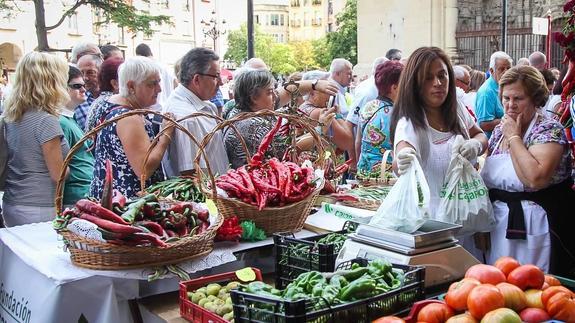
258, 157
230, 230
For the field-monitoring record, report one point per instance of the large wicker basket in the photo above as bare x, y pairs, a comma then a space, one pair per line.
382, 180
288, 218
106, 256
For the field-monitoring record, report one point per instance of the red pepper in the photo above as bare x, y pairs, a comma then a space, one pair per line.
154, 239
258, 157
203, 227
109, 225
248, 182
204, 216
298, 197
230, 230
231, 189
183, 231
260, 183
118, 199
152, 226
106, 200
570, 75
282, 173
171, 233
295, 170
96, 209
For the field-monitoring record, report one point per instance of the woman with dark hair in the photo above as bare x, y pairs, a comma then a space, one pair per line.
108, 80
528, 173
375, 116
82, 163
426, 118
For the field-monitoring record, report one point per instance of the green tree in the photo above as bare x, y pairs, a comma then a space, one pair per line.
119, 12
343, 42
306, 58
238, 48
322, 52
281, 59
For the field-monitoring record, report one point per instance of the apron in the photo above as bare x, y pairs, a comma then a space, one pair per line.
498, 172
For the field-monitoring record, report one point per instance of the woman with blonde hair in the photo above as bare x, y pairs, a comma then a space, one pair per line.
36, 148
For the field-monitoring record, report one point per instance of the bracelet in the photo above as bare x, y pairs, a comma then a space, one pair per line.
513, 137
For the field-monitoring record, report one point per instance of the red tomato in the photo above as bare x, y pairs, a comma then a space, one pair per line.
486, 274
462, 318
561, 306
534, 315
533, 297
456, 296
484, 298
501, 315
513, 296
545, 286
506, 264
389, 319
435, 313
552, 281
549, 292
527, 277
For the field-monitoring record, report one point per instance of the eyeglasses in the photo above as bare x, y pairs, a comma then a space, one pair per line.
77, 86
216, 76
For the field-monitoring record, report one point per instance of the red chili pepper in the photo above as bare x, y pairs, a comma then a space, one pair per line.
231, 189
204, 215
154, 239
118, 199
298, 197
96, 209
328, 188
258, 157
570, 75
260, 183
281, 171
203, 227
295, 170
230, 230
171, 233
152, 226
183, 231
106, 200
109, 225
248, 182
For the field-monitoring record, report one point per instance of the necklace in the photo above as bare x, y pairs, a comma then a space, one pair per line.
436, 126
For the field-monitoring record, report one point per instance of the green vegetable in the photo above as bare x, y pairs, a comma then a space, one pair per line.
357, 289
250, 232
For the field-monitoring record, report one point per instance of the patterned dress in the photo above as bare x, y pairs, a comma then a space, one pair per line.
109, 146
545, 130
374, 120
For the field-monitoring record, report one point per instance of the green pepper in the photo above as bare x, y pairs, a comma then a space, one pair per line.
357, 289
379, 267
355, 273
330, 293
308, 280
261, 288
318, 289
291, 291
338, 281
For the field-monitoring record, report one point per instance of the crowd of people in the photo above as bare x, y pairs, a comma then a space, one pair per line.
414, 107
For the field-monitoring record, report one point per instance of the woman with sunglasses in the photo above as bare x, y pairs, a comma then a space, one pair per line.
126, 142
82, 164
34, 139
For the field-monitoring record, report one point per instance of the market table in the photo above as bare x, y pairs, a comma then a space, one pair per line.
39, 283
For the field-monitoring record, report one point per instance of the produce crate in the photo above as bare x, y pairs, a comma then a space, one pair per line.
291, 260
195, 313
257, 308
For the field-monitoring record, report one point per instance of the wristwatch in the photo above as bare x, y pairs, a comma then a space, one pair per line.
313, 84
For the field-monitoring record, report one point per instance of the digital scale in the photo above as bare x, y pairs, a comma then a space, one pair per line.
433, 246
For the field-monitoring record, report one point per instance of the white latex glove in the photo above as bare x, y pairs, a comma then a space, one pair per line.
470, 149
404, 159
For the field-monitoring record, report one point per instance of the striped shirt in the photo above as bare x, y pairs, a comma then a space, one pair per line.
28, 180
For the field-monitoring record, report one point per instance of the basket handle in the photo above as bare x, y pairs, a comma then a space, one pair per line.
384, 162
304, 122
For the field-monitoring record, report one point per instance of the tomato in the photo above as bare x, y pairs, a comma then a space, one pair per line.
484, 298
435, 313
506, 264
549, 292
527, 277
534, 315
462, 318
561, 306
389, 319
456, 296
552, 281
486, 274
533, 297
501, 315
545, 286
513, 296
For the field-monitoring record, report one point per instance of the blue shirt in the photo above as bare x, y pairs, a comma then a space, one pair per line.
488, 107
218, 99
82, 110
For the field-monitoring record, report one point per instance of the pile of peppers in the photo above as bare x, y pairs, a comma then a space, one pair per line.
343, 286
268, 183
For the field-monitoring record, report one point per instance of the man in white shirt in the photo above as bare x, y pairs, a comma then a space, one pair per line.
199, 80
341, 72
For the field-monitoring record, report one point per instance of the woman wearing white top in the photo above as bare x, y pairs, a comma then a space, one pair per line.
426, 118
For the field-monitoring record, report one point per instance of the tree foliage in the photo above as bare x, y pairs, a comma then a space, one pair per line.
238, 48
305, 54
119, 12
343, 42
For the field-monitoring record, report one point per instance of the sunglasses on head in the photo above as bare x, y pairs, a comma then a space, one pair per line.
76, 86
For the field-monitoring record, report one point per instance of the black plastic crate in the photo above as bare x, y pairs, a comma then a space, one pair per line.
256, 308
296, 256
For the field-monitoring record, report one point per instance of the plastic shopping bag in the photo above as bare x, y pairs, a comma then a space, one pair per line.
464, 198
405, 208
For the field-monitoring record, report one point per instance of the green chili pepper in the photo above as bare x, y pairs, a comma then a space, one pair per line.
357, 289
355, 273
338, 281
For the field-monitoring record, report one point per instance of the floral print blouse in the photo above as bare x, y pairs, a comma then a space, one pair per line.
545, 130
374, 117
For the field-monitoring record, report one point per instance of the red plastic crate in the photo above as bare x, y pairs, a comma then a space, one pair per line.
417, 306
197, 314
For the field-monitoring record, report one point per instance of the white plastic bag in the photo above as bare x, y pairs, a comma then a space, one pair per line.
464, 198
405, 208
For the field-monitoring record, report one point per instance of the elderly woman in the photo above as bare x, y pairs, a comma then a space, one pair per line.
108, 80
126, 142
375, 116
528, 172
82, 163
35, 141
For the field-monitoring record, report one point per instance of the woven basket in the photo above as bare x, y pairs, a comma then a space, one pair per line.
288, 218
106, 256
379, 181
367, 204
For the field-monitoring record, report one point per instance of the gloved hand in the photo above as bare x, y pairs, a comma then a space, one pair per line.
470, 149
404, 159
